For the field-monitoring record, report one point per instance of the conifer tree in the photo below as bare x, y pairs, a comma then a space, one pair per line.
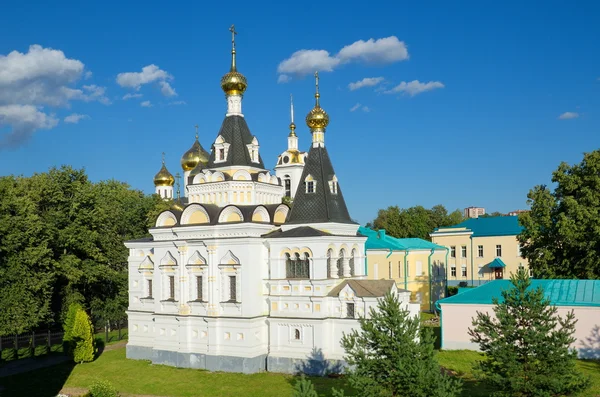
527, 345
304, 388
82, 338
393, 355
74, 308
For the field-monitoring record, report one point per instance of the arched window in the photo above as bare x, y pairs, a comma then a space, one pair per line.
329, 262
297, 334
352, 263
298, 267
340, 263
287, 183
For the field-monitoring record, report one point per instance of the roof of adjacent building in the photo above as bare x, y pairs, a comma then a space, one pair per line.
321, 206
496, 264
235, 131
559, 292
487, 226
365, 288
378, 239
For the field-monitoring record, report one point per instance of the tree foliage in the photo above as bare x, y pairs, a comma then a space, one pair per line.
414, 221
61, 240
393, 355
304, 388
561, 236
526, 344
82, 338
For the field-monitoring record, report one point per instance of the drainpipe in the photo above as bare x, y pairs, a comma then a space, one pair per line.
472, 278
446, 272
430, 275
406, 268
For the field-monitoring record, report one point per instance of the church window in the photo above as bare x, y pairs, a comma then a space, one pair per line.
340, 263
199, 288
149, 284
310, 187
232, 288
286, 159
221, 154
349, 310
297, 267
288, 186
297, 334
172, 287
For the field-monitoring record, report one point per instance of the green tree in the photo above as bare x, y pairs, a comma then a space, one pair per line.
561, 236
69, 325
526, 345
492, 214
304, 388
82, 337
415, 221
393, 355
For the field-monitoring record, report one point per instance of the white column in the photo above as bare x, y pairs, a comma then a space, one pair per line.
346, 267
333, 271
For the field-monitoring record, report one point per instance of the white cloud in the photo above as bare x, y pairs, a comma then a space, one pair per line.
366, 82
38, 78
283, 78
355, 107
75, 118
166, 89
149, 74
24, 120
415, 87
146, 104
176, 103
366, 109
130, 96
384, 50
568, 115
358, 106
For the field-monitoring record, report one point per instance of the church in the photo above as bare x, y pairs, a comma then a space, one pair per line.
252, 270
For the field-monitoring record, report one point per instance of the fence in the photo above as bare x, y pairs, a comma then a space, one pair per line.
14, 347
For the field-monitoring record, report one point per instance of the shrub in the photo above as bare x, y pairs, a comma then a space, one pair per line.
68, 326
452, 291
304, 388
103, 388
82, 338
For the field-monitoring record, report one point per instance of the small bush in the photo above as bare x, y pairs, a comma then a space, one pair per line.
82, 338
304, 388
463, 284
103, 388
452, 291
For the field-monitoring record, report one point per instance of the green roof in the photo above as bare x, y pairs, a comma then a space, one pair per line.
491, 226
559, 292
377, 239
496, 264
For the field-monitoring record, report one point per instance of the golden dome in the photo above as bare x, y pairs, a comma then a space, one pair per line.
164, 177
233, 82
177, 205
194, 156
317, 118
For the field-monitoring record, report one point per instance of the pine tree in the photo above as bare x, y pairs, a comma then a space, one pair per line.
393, 355
304, 388
527, 345
82, 338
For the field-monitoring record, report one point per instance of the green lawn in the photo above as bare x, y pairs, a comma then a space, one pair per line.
461, 362
141, 377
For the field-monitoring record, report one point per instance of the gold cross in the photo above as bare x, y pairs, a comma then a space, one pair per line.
163, 157
196, 126
233, 33
317, 80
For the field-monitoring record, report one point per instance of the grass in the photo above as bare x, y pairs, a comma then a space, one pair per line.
461, 362
141, 377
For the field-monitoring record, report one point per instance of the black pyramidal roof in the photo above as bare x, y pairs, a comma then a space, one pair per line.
322, 205
235, 131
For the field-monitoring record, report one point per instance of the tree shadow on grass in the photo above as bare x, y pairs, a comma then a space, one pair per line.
100, 345
324, 374
44, 382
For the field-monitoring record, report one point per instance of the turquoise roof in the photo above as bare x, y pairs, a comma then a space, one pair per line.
559, 292
492, 226
496, 263
377, 239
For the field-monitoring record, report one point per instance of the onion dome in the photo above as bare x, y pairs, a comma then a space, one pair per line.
196, 155
164, 177
233, 82
317, 118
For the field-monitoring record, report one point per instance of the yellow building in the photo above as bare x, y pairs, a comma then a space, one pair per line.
409, 262
481, 249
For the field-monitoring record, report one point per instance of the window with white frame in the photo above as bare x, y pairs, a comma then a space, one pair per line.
333, 185
310, 186
297, 266
349, 310
199, 288
480, 251
297, 335
287, 183
171, 288
498, 250
463, 270
232, 290
453, 271
452, 251
253, 150
221, 149
463, 251
149, 288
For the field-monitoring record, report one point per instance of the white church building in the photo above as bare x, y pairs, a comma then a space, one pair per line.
233, 279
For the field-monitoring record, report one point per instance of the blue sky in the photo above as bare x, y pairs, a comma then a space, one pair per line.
466, 110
